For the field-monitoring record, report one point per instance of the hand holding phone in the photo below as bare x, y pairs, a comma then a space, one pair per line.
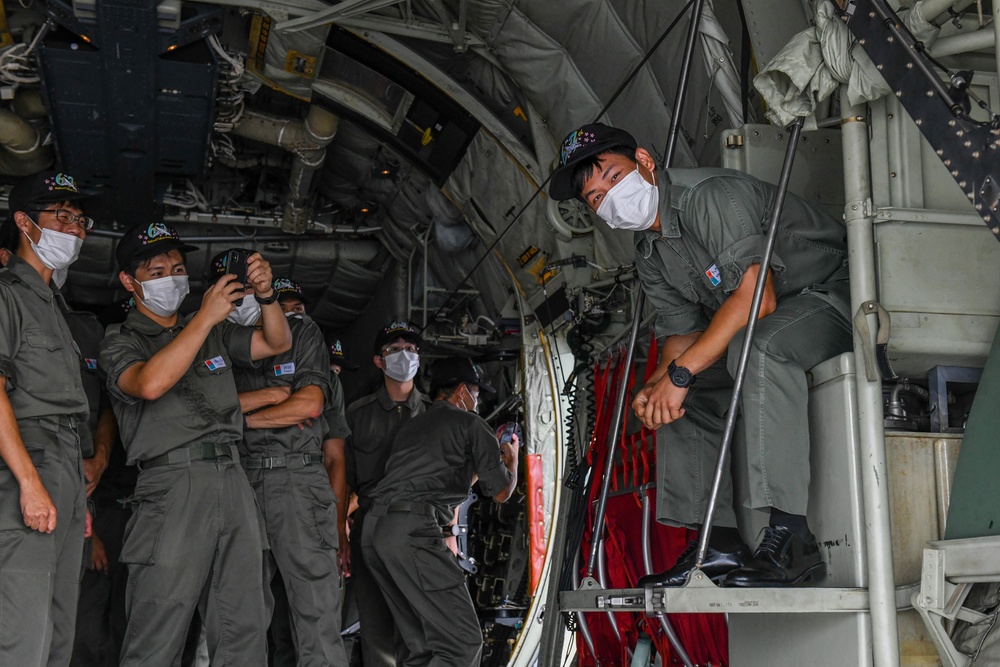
236, 263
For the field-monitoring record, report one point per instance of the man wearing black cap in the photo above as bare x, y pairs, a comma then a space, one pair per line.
290, 296
373, 421
435, 459
43, 408
195, 538
282, 401
700, 234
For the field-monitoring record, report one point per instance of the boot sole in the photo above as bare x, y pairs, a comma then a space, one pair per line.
813, 575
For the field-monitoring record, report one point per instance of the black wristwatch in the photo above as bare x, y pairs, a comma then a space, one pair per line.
680, 376
268, 300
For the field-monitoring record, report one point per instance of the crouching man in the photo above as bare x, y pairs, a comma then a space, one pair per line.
195, 537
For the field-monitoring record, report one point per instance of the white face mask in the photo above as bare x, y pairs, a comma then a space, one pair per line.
59, 277
632, 203
475, 399
163, 296
246, 314
56, 250
402, 366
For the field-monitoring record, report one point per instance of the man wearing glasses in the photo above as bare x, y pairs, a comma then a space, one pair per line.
373, 421
42, 407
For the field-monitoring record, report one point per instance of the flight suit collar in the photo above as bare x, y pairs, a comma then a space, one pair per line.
670, 227
27, 274
382, 395
147, 327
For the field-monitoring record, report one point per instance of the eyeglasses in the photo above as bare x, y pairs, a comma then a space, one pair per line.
67, 217
392, 349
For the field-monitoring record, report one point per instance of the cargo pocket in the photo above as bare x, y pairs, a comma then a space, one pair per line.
142, 533
41, 349
435, 565
324, 510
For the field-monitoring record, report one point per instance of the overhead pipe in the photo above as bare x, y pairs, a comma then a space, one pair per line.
307, 141
23, 153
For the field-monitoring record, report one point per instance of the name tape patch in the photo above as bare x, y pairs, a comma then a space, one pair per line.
285, 369
215, 363
91, 363
713, 275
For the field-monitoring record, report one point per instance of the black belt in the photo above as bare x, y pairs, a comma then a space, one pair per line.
199, 451
283, 461
411, 508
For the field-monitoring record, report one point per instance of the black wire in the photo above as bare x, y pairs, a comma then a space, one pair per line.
600, 114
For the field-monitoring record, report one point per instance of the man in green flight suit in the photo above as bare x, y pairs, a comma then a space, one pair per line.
196, 536
43, 408
282, 401
699, 239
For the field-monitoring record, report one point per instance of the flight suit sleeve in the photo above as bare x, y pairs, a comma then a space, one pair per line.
9, 337
485, 450
728, 216
336, 419
236, 339
118, 353
676, 314
312, 361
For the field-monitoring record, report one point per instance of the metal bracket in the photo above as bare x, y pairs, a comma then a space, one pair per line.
968, 149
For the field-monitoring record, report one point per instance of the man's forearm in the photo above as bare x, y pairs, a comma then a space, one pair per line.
12, 450
274, 336
727, 321
153, 378
304, 404
256, 399
105, 434
336, 469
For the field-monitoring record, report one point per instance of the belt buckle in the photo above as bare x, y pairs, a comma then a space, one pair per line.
267, 462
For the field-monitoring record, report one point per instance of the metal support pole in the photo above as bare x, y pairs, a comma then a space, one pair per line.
859, 214
640, 300
647, 568
616, 426
722, 465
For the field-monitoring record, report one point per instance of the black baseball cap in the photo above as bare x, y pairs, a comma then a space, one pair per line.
394, 330
455, 370
45, 188
580, 144
337, 357
145, 241
288, 289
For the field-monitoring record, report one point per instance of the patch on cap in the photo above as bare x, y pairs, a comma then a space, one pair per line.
60, 181
156, 232
574, 141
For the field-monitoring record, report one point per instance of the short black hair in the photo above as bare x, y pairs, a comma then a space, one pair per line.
9, 234
584, 169
136, 264
445, 391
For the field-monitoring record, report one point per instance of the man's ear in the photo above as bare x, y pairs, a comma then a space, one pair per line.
22, 221
127, 281
643, 157
379, 361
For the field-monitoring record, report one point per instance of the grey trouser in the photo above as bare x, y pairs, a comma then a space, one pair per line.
803, 331
300, 515
100, 619
380, 640
424, 586
194, 540
40, 572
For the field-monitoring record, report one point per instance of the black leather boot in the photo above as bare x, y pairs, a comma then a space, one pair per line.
717, 564
782, 559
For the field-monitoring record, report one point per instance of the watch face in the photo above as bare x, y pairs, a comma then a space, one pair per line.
681, 377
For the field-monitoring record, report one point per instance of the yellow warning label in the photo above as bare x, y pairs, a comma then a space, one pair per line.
6, 39
260, 30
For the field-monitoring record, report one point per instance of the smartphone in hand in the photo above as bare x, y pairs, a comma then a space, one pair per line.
236, 263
